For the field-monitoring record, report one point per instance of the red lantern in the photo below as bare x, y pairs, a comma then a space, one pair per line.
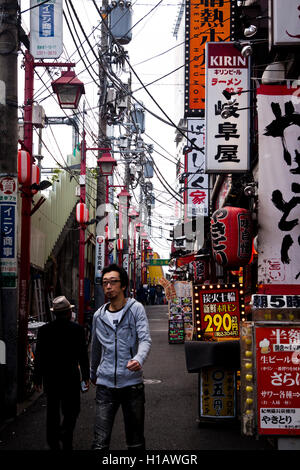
35, 177
82, 213
24, 164
120, 244
231, 235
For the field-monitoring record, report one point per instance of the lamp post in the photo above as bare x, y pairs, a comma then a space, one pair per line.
124, 200
106, 165
132, 215
26, 213
137, 228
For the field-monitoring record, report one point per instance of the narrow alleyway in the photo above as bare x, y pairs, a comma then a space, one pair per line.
171, 408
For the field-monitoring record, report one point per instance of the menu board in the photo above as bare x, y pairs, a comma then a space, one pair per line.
181, 313
218, 310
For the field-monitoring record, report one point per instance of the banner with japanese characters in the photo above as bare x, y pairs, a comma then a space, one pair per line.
205, 21
278, 379
279, 187
227, 121
8, 226
46, 29
196, 181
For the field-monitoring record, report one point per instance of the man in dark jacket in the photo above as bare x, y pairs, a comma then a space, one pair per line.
60, 349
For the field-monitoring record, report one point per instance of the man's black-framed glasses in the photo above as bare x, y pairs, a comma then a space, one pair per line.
112, 282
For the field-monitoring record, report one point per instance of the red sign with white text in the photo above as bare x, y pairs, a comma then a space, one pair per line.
278, 379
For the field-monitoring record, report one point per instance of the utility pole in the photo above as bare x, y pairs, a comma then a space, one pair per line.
8, 206
103, 142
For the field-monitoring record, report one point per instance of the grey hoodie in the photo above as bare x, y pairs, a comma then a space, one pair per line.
113, 348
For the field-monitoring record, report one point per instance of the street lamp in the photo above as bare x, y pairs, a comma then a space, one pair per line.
24, 277
68, 89
106, 164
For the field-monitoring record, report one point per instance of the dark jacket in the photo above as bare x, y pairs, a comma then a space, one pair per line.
60, 349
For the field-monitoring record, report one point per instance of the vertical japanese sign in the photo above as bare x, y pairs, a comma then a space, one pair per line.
8, 226
279, 188
46, 26
227, 137
196, 181
278, 379
206, 21
217, 397
285, 23
100, 257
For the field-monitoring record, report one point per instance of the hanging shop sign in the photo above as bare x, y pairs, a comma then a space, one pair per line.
8, 226
284, 17
207, 21
196, 181
278, 379
46, 29
278, 181
231, 234
227, 126
199, 270
217, 393
99, 257
218, 310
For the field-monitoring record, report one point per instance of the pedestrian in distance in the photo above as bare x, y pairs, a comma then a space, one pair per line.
60, 351
121, 343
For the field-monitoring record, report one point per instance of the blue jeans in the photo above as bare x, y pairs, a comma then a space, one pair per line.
108, 400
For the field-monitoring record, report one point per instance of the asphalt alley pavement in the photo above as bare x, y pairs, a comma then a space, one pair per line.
171, 408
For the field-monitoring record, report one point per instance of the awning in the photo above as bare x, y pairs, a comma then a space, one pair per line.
185, 260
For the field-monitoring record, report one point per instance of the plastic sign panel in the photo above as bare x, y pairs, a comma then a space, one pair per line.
218, 311
278, 378
278, 182
227, 135
205, 21
46, 26
8, 225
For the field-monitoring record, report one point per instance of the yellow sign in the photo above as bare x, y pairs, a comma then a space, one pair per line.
217, 393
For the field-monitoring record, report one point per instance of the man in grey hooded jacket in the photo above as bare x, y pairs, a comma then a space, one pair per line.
121, 343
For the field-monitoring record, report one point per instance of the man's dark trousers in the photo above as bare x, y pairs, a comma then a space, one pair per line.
132, 401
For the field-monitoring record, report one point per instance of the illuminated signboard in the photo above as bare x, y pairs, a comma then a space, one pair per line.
278, 379
218, 310
206, 21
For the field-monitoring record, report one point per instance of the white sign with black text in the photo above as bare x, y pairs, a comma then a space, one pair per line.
227, 118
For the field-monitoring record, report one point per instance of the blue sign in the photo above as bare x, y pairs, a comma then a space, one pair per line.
7, 240
46, 20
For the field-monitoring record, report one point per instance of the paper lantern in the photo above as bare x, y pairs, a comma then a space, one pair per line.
35, 177
24, 165
82, 213
120, 244
231, 235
